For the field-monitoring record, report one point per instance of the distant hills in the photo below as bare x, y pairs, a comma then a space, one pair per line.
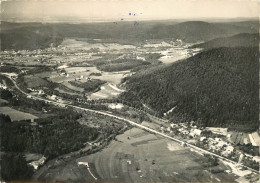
218, 87
194, 31
37, 35
28, 36
239, 40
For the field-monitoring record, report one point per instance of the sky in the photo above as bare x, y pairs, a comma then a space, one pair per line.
125, 10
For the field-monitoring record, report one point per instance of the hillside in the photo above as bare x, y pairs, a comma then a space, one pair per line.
194, 31
38, 35
28, 36
240, 40
218, 87
189, 31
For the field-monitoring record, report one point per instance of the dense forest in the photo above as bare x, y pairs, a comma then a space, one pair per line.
52, 138
89, 86
243, 40
28, 36
193, 31
119, 64
218, 87
15, 167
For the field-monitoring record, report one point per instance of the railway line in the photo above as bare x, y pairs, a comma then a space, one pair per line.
136, 125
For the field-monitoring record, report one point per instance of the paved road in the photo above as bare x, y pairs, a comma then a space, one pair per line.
134, 124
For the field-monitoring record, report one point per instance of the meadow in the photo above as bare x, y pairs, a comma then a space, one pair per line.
138, 156
16, 115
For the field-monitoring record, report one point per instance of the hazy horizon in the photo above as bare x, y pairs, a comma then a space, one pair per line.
115, 10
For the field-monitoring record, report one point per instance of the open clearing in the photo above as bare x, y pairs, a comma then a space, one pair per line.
84, 45
79, 75
62, 90
107, 91
82, 74
112, 77
172, 55
72, 87
16, 115
2, 101
137, 156
34, 81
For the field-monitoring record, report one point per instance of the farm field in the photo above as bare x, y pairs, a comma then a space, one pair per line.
137, 156
107, 91
84, 45
62, 90
151, 125
72, 87
239, 138
112, 77
82, 74
172, 55
72, 74
16, 115
33, 81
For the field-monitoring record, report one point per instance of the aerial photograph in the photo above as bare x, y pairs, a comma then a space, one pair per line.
127, 91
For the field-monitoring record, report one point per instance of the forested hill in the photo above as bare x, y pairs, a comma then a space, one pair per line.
243, 40
28, 36
38, 35
193, 31
217, 87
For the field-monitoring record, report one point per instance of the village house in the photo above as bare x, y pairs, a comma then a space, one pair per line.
256, 158
194, 133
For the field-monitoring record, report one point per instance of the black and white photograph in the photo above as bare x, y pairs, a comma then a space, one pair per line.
129, 91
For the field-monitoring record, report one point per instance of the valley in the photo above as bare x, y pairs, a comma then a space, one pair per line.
172, 104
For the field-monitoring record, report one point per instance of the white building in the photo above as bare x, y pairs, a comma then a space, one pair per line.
256, 158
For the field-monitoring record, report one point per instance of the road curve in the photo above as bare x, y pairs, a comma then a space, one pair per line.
134, 124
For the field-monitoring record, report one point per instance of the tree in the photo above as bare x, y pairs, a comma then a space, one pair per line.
212, 161
5, 94
15, 167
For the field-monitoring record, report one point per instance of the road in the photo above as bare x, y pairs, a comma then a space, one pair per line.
134, 124
86, 164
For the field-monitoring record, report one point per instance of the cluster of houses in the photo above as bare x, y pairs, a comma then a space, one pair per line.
218, 144
215, 144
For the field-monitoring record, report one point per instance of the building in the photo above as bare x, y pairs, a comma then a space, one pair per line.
256, 158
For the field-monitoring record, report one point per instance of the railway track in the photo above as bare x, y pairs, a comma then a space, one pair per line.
136, 125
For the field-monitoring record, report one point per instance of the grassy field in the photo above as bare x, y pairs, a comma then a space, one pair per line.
35, 81
137, 156
77, 80
89, 86
84, 45
239, 138
83, 73
16, 115
172, 55
2, 101
63, 90
107, 91
73, 87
